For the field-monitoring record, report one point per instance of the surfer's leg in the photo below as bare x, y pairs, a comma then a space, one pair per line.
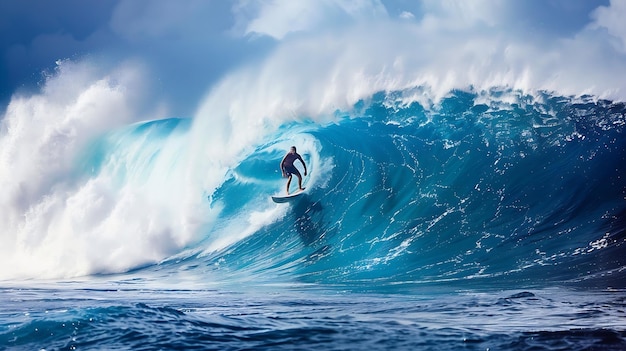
300, 181
297, 173
288, 183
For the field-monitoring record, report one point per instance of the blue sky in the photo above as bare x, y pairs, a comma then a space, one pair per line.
187, 46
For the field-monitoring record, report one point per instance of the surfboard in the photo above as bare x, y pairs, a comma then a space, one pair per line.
279, 199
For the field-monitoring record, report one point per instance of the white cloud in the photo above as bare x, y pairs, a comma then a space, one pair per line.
278, 18
137, 21
457, 14
613, 19
407, 15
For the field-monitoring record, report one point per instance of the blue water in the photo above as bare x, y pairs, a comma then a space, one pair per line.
128, 319
492, 220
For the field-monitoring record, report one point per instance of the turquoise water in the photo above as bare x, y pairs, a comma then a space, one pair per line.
461, 194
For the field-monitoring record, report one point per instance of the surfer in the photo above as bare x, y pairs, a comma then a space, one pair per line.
289, 169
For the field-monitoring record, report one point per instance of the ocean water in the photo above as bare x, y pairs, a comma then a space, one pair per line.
74, 318
488, 220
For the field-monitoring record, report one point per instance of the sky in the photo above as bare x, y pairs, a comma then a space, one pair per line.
186, 47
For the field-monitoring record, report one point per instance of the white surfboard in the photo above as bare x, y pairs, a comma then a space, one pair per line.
279, 199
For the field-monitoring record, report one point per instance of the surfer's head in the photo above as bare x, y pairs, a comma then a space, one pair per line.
293, 149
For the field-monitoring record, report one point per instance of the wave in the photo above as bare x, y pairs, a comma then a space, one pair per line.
498, 185
485, 164
479, 188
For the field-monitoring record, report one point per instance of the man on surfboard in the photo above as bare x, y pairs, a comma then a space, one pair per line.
289, 169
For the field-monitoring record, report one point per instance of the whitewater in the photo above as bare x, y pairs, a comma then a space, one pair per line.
465, 192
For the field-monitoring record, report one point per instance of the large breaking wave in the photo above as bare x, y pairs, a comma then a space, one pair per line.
497, 185
494, 187
431, 161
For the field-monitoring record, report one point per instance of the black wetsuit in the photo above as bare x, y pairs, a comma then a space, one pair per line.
288, 166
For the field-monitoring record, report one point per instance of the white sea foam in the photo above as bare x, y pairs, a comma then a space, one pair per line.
55, 222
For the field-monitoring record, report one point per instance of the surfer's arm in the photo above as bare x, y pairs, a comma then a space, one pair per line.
282, 165
303, 164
